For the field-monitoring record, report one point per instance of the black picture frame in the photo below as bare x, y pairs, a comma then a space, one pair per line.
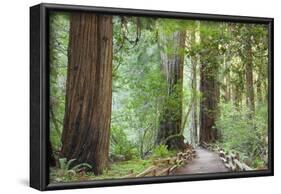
39, 96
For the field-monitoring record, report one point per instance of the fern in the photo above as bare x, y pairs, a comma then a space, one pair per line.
65, 169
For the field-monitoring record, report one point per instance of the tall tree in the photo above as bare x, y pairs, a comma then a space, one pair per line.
226, 80
209, 84
249, 76
172, 58
247, 59
260, 56
86, 129
195, 60
58, 42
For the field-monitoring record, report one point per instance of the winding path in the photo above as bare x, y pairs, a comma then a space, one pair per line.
204, 162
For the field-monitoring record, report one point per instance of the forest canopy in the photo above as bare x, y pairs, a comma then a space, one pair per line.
125, 90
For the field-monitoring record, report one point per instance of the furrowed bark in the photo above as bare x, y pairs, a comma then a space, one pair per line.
172, 68
209, 88
87, 119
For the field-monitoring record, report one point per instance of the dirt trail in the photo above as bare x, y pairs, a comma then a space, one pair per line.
204, 162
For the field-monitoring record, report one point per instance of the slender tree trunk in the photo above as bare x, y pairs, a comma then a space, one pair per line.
237, 94
86, 130
259, 84
249, 77
238, 87
194, 119
265, 88
259, 90
227, 86
172, 67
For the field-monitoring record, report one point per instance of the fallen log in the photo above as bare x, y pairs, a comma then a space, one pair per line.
173, 168
173, 160
180, 159
147, 171
162, 161
129, 175
163, 172
180, 162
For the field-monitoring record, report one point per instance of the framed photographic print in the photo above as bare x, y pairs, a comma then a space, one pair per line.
124, 96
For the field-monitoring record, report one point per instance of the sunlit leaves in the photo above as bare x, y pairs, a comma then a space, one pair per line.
59, 34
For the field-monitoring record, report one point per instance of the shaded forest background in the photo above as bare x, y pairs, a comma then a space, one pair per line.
173, 81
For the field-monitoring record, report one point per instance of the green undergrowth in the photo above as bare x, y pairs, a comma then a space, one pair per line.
115, 170
256, 163
246, 136
66, 173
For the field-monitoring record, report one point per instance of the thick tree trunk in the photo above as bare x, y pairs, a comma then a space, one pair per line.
209, 88
209, 104
86, 130
172, 67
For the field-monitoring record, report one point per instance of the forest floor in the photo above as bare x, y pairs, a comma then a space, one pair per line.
114, 171
204, 162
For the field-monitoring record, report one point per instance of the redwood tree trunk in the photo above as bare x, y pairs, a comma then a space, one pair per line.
209, 88
172, 67
86, 130
209, 104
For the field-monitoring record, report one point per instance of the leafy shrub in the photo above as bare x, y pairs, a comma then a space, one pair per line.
161, 151
67, 170
120, 145
239, 133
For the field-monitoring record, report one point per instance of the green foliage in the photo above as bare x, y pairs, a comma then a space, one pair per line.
241, 134
116, 170
161, 151
59, 30
67, 170
67, 166
120, 145
140, 100
138, 86
124, 168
